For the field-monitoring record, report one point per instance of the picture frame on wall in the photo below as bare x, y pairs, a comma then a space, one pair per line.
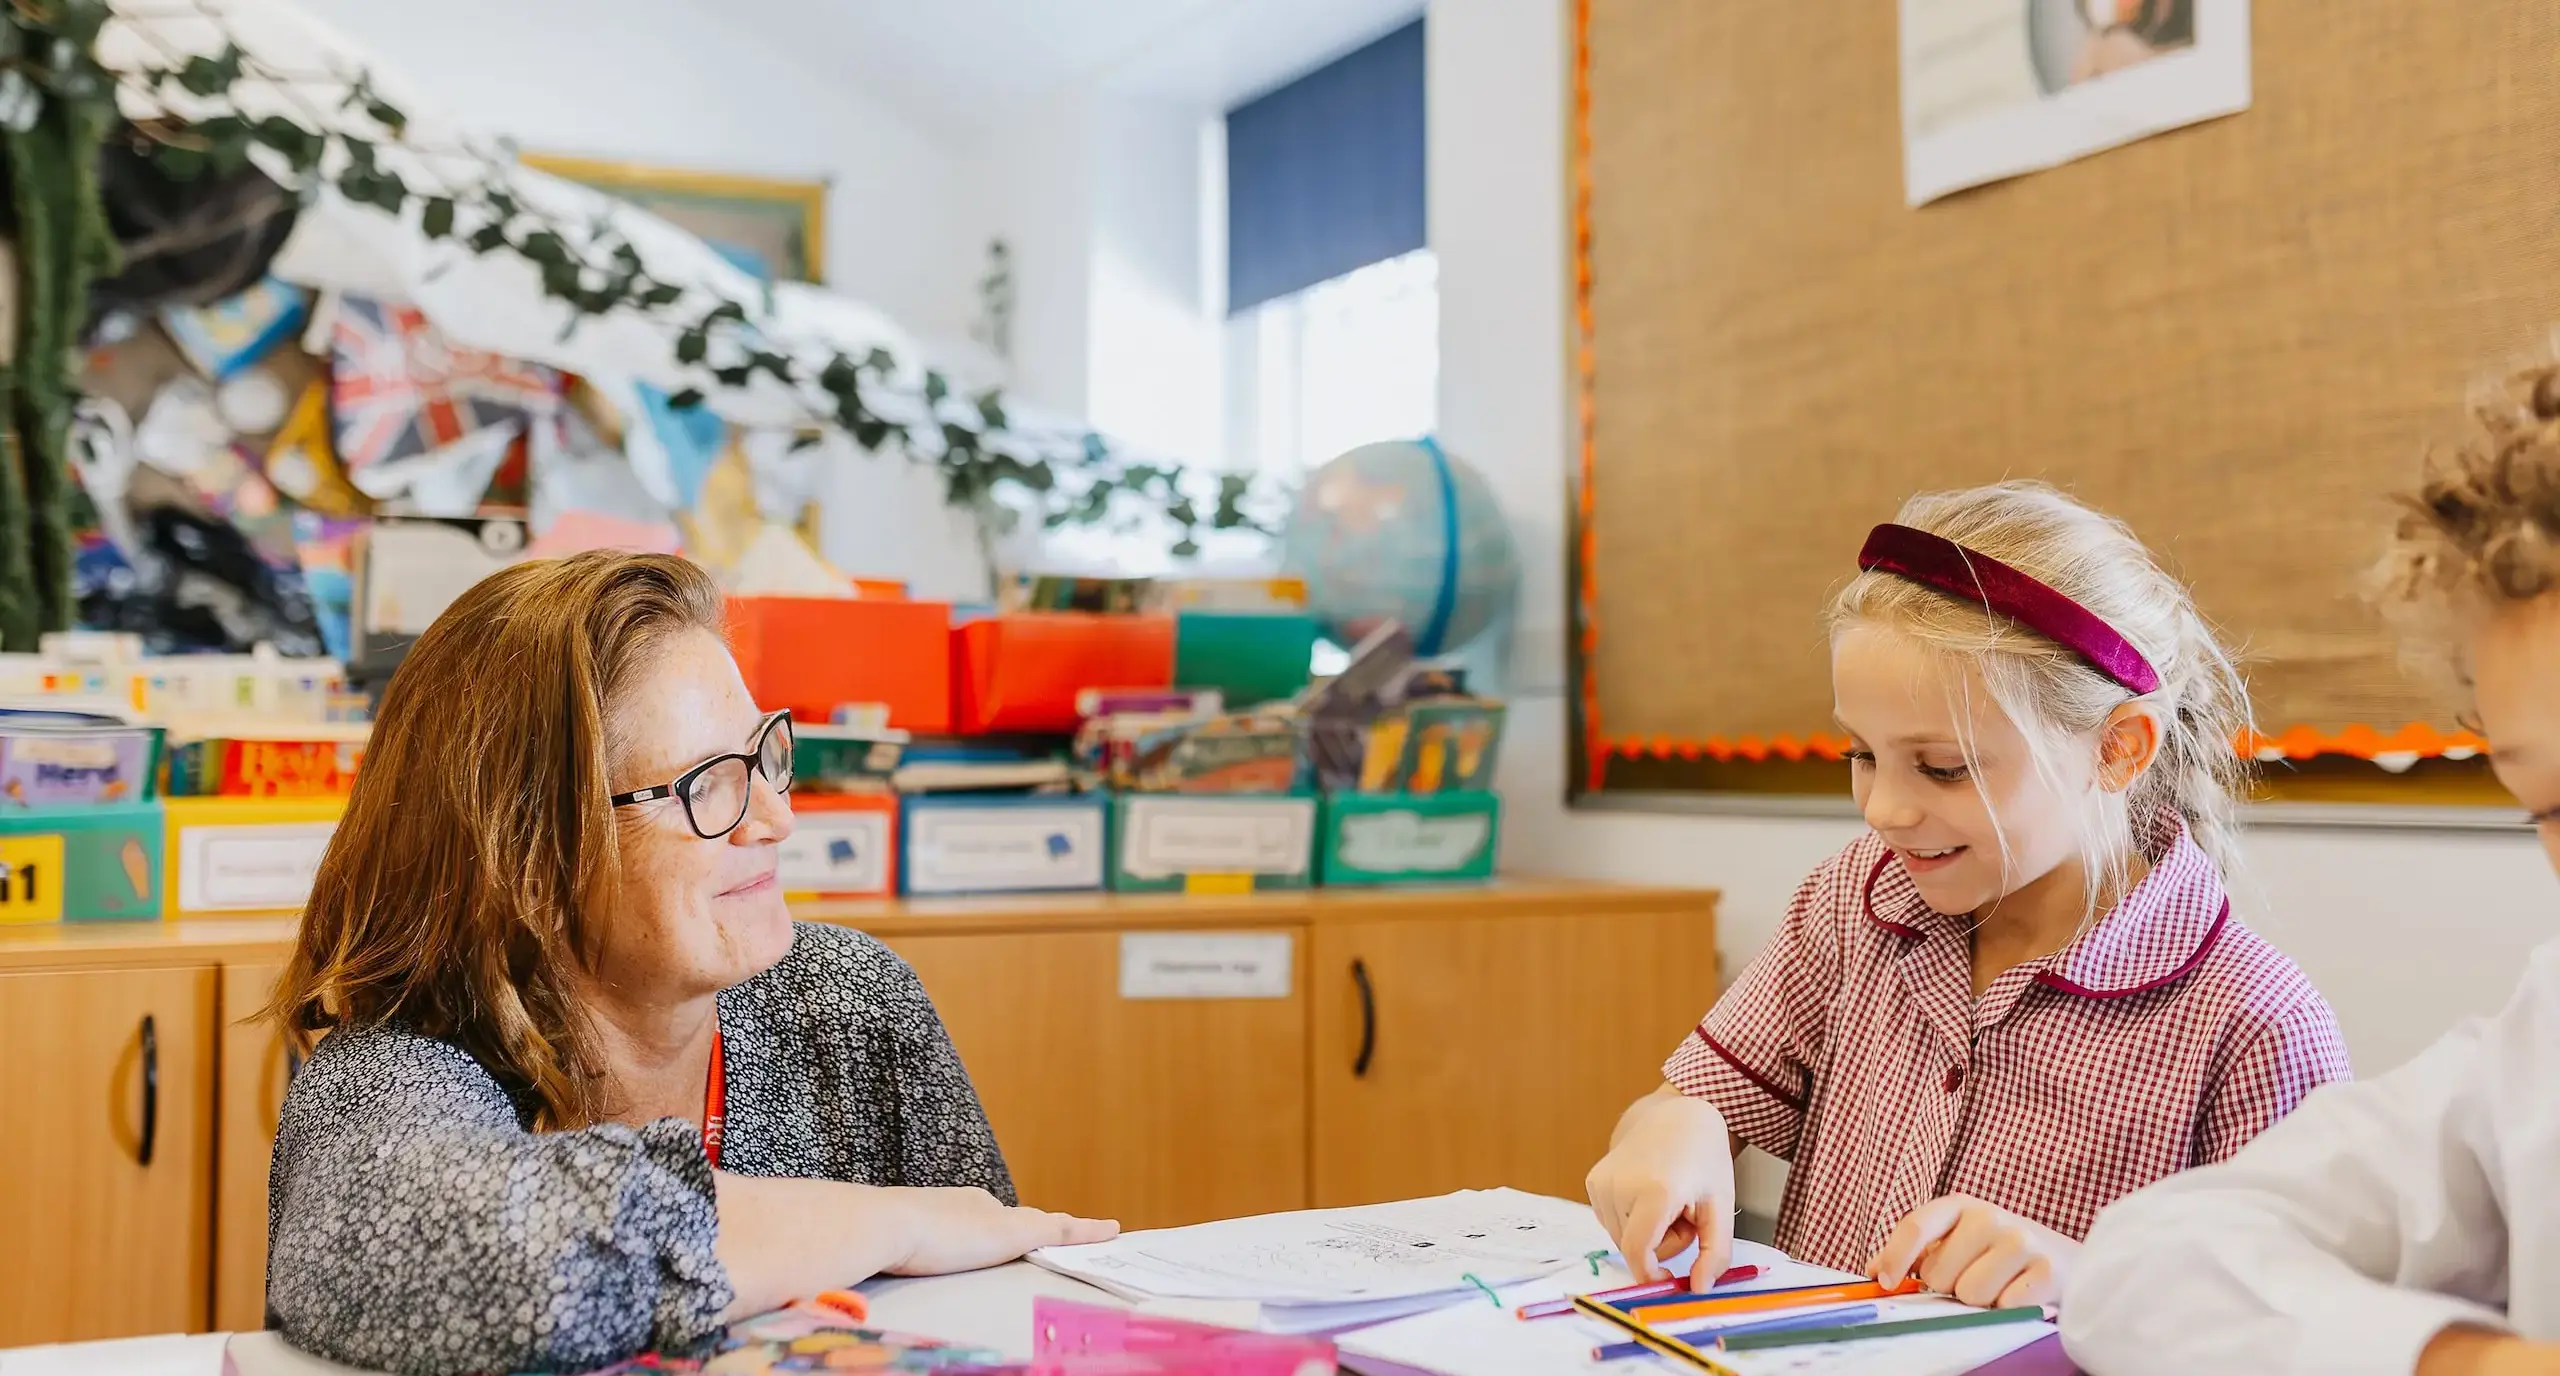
772, 227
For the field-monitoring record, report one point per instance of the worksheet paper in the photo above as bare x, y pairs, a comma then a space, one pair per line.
1376, 1252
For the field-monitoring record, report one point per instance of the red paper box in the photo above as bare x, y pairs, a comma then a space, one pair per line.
813, 654
1022, 671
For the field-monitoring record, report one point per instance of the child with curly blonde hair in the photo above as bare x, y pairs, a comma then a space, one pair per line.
2411, 1222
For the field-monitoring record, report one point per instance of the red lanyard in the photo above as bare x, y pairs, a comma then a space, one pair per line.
715, 1098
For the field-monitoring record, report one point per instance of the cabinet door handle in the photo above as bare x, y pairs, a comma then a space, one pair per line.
1368, 1020
150, 1090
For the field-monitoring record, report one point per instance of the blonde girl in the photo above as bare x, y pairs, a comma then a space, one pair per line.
2022, 993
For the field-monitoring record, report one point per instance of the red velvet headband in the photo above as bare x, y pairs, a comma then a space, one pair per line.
1938, 562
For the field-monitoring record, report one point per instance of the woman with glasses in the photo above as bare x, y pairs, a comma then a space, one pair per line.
585, 1088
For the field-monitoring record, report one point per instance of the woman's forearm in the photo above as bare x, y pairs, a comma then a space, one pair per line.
785, 1239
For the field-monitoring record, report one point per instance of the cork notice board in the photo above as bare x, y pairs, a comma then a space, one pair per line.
2239, 337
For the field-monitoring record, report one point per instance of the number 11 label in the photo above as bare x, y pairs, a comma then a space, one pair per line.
30, 879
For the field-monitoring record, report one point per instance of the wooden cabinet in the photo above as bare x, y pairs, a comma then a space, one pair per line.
105, 1172
1455, 1052
1504, 1027
254, 1072
1156, 1112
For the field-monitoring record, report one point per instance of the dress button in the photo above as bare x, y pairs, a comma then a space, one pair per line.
1955, 1078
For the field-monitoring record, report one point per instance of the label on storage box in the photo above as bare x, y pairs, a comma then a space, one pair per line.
1169, 836
837, 852
963, 850
1205, 965
1405, 842
249, 868
30, 879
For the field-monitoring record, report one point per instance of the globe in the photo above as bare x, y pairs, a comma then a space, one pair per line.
1401, 531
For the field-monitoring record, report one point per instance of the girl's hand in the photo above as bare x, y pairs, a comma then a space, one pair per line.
1667, 1182
1981, 1254
951, 1230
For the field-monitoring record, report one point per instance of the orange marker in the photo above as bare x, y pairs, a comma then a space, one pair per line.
1717, 1307
849, 1303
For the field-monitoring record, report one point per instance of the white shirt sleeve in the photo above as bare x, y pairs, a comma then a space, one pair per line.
2346, 1237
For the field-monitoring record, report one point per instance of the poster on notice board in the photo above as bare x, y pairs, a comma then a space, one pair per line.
1996, 88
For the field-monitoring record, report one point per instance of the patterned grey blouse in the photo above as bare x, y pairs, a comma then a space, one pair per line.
418, 1225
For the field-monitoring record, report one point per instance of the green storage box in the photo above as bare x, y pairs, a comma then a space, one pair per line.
1212, 843
1250, 657
100, 863
1409, 838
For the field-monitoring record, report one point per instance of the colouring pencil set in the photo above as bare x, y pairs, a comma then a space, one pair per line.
1699, 1329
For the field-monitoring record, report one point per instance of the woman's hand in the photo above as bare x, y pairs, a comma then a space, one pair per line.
784, 1237
966, 1229
1980, 1253
1668, 1182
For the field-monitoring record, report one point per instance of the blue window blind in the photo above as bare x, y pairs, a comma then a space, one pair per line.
1325, 174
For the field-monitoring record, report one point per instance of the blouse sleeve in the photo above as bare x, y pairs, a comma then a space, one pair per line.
2279, 1064
418, 1227
1754, 1055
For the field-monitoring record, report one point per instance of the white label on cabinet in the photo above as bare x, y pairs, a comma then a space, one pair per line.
837, 852
963, 850
249, 868
1205, 965
1168, 836
1406, 842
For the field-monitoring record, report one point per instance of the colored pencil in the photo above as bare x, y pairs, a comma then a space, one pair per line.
1819, 1318
1669, 1309
1676, 1285
1806, 1337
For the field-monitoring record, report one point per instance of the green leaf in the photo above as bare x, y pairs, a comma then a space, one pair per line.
80, 20
685, 400
805, 440
738, 376
935, 389
360, 153
544, 247
183, 164
437, 219
661, 296
389, 192
692, 346
1185, 547
488, 238
560, 279
840, 378
777, 364
871, 433
500, 203
726, 310
991, 411
387, 115
879, 360
209, 76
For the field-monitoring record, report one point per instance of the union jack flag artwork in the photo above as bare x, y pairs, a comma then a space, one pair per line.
398, 391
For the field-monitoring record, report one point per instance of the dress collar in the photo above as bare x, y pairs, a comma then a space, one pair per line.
2159, 932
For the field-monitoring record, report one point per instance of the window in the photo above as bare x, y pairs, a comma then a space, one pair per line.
1342, 363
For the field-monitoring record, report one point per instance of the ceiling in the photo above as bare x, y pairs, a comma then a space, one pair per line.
955, 67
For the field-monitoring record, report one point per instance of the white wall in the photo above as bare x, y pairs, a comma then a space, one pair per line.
672, 82
676, 83
2405, 932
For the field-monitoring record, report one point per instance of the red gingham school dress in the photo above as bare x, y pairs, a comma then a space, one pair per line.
2164, 1037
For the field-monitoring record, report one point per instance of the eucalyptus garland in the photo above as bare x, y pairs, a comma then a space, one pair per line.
57, 107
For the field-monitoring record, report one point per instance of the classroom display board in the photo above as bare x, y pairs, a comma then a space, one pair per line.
2240, 337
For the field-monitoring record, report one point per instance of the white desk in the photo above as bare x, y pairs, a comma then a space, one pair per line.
983, 1309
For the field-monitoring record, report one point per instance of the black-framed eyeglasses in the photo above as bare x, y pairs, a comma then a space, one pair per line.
715, 792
